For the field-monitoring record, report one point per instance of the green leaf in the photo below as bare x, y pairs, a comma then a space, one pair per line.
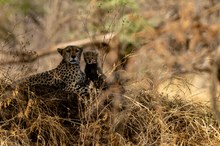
3, 2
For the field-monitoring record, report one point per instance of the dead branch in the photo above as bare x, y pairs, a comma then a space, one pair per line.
83, 43
24, 57
214, 83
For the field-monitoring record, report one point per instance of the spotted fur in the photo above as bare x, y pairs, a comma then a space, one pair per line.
67, 76
93, 71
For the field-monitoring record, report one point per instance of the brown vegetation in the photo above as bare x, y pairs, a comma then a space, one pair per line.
143, 45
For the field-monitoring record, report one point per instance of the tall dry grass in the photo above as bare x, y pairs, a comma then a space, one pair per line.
173, 42
146, 117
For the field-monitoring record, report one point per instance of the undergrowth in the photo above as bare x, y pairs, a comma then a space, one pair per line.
147, 118
165, 38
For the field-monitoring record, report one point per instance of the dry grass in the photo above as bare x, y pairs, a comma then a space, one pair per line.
147, 117
180, 38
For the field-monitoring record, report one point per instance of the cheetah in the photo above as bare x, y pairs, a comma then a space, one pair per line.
93, 71
67, 76
110, 91
66, 83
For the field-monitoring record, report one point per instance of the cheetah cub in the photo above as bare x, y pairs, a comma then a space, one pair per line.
93, 71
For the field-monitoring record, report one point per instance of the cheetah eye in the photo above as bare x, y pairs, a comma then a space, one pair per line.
68, 51
77, 50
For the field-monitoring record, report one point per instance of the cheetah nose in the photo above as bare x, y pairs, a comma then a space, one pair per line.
73, 56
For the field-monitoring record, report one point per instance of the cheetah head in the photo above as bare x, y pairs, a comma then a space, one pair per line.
90, 57
71, 54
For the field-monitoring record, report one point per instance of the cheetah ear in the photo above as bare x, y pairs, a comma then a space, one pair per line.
60, 51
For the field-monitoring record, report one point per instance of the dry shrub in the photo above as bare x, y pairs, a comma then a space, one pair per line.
152, 119
147, 118
29, 119
186, 33
156, 120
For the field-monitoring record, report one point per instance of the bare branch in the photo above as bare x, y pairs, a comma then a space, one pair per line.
214, 83
25, 57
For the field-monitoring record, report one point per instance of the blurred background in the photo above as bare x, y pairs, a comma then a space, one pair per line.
160, 53
167, 45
